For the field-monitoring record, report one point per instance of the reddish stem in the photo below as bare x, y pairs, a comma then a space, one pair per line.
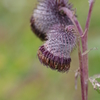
69, 13
85, 47
83, 60
80, 31
81, 71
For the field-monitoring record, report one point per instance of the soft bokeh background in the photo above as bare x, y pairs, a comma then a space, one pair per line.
22, 77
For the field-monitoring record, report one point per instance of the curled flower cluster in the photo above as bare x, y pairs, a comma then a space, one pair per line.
52, 25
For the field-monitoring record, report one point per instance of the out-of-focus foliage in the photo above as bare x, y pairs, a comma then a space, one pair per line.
22, 77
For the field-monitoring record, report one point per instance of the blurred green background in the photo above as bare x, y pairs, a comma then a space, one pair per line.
22, 77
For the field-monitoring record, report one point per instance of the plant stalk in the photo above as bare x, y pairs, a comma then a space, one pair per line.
85, 47
83, 60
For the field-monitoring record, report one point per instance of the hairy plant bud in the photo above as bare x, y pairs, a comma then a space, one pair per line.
55, 53
48, 14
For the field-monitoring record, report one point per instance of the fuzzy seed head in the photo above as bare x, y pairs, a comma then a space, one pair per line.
55, 53
51, 24
47, 14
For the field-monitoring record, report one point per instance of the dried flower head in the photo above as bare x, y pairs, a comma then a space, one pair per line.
47, 14
55, 53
